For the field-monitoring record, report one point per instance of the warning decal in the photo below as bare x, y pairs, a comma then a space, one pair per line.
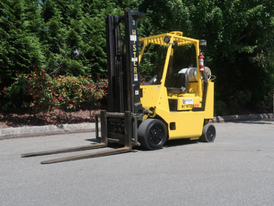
187, 101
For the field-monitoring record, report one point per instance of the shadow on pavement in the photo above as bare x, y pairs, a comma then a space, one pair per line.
169, 143
93, 140
179, 142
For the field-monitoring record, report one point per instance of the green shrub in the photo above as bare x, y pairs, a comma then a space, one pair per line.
43, 93
266, 105
239, 99
219, 108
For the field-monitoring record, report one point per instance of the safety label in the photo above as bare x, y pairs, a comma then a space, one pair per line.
133, 38
134, 59
135, 77
136, 92
187, 101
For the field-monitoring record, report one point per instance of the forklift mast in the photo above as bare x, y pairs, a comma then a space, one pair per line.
123, 69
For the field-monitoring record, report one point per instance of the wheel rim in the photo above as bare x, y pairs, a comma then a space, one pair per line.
211, 133
156, 135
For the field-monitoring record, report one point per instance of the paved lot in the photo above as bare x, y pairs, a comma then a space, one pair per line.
237, 169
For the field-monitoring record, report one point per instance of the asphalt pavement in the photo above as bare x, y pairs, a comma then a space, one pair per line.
237, 169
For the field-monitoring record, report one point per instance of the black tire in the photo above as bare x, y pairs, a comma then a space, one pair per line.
209, 133
152, 134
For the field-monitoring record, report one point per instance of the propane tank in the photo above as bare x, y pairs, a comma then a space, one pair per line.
192, 73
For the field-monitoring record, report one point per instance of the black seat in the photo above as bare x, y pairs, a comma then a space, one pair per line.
177, 83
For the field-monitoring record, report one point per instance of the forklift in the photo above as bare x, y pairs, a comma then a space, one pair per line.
175, 106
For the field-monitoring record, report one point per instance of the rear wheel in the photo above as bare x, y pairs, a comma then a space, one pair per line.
209, 133
152, 134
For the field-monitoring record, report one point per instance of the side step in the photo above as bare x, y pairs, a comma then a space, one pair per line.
104, 142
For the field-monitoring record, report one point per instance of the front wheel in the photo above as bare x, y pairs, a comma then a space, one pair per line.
152, 134
209, 133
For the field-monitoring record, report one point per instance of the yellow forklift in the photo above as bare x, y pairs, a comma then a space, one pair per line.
176, 105
180, 105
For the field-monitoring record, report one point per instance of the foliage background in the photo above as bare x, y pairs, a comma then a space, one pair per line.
68, 38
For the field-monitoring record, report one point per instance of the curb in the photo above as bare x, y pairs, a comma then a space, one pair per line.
33, 131
237, 118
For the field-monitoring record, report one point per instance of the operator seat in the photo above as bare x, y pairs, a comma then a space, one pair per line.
177, 83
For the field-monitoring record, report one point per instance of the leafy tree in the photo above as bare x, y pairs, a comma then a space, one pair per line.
19, 46
62, 37
68, 38
239, 36
74, 35
94, 15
